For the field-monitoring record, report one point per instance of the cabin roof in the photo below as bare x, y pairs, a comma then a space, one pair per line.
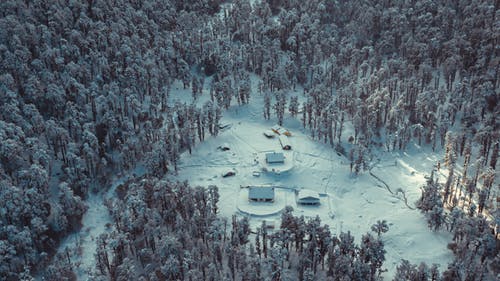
308, 194
261, 192
275, 157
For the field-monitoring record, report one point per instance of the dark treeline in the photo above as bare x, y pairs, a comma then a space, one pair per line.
85, 87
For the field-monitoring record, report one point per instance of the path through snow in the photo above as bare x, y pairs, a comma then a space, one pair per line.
96, 221
398, 191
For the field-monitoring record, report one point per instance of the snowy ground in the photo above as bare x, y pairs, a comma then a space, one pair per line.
352, 203
96, 221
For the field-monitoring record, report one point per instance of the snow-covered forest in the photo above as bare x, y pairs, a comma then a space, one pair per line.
90, 90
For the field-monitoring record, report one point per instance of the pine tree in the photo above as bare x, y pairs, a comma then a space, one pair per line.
257, 242
267, 106
431, 202
494, 156
436, 217
293, 107
380, 227
279, 107
450, 155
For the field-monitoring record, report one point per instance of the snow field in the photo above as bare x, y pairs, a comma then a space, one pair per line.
353, 203
96, 221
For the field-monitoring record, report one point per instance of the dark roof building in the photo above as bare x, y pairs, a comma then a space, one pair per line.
275, 158
307, 197
261, 193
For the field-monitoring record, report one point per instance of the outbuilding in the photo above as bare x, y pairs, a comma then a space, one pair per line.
269, 134
275, 158
280, 130
285, 143
261, 193
307, 197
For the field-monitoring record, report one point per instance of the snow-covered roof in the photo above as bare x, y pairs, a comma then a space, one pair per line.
280, 130
275, 157
307, 194
269, 133
261, 192
285, 143
276, 128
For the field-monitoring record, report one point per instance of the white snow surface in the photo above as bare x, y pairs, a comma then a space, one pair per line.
351, 203
96, 221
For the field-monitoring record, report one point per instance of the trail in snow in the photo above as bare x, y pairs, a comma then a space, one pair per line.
81, 246
399, 190
244, 141
405, 200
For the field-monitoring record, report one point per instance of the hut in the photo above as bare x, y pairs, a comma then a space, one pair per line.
261, 193
285, 143
307, 197
275, 158
269, 134
280, 130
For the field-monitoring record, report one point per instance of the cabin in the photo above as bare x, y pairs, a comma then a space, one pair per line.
276, 129
285, 143
307, 197
270, 224
280, 130
261, 193
275, 158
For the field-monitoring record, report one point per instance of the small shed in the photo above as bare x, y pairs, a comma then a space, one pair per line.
307, 197
270, 224
276, 129
261, 193
275, 158
285, 143
269, 134
280, 130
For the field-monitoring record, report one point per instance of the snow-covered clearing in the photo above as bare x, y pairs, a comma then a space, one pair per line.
352, 203
348, 203
96, 221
